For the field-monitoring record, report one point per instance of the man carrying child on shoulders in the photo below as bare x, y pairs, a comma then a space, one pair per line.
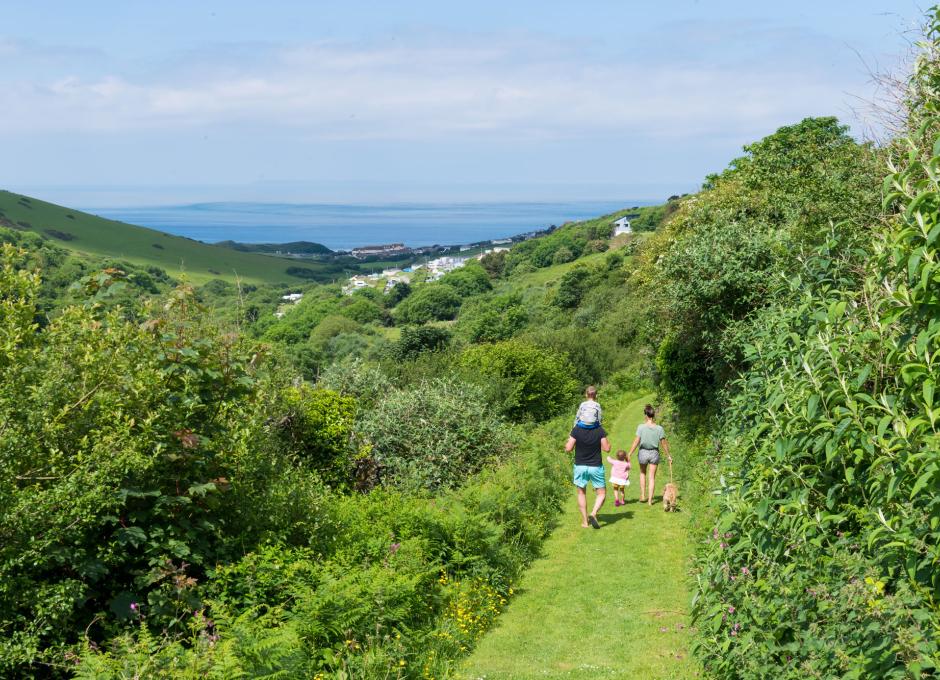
587, 439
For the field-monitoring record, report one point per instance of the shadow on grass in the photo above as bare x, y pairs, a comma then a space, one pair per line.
611, 517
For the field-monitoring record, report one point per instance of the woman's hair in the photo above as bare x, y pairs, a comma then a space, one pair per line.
621, 455
648, 410
591, 392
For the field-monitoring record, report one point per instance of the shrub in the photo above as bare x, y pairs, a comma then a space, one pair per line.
315, 426
434, 435
527, 382
415, 340
469, 280
431, 302
491, 319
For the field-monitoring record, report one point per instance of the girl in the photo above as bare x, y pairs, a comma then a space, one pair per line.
619, 476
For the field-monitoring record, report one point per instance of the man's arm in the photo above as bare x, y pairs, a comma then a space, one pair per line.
605, 445
569, 445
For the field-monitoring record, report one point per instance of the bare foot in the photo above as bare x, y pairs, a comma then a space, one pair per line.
585, 526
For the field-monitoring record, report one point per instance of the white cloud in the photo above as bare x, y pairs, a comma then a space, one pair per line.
497, 87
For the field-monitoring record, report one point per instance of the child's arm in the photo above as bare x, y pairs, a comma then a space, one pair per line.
611, 460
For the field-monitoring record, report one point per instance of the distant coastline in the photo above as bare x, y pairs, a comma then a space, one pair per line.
348, 226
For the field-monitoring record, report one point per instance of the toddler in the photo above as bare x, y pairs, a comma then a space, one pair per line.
619, 476
589, 412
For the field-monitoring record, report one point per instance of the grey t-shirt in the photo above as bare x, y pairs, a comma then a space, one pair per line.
650, 436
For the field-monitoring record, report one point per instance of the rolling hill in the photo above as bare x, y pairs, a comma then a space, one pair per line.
200, 262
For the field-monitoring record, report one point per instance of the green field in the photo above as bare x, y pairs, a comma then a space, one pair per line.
98, 237
608, 603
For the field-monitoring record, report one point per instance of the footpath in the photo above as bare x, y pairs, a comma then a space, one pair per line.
610, 602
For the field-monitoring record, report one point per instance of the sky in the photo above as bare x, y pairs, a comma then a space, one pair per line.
142, 103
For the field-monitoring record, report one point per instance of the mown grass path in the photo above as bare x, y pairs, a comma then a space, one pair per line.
609, 603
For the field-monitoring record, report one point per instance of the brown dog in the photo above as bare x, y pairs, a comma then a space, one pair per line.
669, 497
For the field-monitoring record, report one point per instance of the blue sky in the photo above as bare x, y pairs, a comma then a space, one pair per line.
106, 103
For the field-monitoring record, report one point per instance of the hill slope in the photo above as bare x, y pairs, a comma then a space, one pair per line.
96, 236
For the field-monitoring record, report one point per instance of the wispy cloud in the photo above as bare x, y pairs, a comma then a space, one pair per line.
492, 86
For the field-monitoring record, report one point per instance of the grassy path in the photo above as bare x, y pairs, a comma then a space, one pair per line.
607, 603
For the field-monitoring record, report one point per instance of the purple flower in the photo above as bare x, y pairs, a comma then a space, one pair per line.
728, 534
393, 548
734, 632
723, 545
732, 577
731, 610
745, 571
134, 607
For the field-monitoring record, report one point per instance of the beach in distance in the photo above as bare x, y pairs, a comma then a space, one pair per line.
345, 226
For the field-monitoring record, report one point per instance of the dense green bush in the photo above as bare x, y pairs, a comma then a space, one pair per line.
430, 302
527, 382
415, 340
489, 319
316, 428
469, 280
434, 435
725, 250
131, 454
823, 559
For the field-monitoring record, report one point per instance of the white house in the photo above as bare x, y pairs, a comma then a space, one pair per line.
292, 297
622, 226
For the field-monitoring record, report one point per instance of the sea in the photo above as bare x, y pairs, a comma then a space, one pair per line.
346, 226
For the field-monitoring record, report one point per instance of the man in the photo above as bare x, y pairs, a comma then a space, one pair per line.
587, 446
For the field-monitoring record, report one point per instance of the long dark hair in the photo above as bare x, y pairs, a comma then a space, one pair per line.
649, 412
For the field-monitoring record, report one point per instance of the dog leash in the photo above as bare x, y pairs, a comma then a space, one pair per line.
670, 470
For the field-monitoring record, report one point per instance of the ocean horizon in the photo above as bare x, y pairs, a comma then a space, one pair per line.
346, 226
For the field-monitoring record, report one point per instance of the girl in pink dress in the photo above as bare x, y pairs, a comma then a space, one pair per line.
619, 476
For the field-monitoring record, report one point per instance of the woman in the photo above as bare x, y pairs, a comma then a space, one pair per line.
649, 437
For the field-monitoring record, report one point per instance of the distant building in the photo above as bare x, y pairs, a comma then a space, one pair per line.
387, 249
622, 226
292, 297
500, 241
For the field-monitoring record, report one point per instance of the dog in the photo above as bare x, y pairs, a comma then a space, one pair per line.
670, 493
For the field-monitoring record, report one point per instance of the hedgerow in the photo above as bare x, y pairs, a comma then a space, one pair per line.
823, 558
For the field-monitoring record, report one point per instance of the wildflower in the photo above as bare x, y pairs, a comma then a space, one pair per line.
728, 534
731, 610
134, 607
723, 545
393, 548
745, 571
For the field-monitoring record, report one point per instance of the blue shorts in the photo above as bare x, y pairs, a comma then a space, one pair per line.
589, 473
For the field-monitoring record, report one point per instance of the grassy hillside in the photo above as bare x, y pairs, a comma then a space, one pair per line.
96, 236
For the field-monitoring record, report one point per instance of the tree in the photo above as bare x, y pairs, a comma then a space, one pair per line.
526, 381
431, 302
469, 280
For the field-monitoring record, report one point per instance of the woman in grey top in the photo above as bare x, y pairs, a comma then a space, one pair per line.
649, 437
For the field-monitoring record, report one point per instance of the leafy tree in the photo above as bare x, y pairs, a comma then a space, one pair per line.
363, 310
527, 382
490, 319
469, 280
398, 293
572, 287
419, 339
431, 302
494, 263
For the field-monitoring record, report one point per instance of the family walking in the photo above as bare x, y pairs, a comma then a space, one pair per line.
588, 440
